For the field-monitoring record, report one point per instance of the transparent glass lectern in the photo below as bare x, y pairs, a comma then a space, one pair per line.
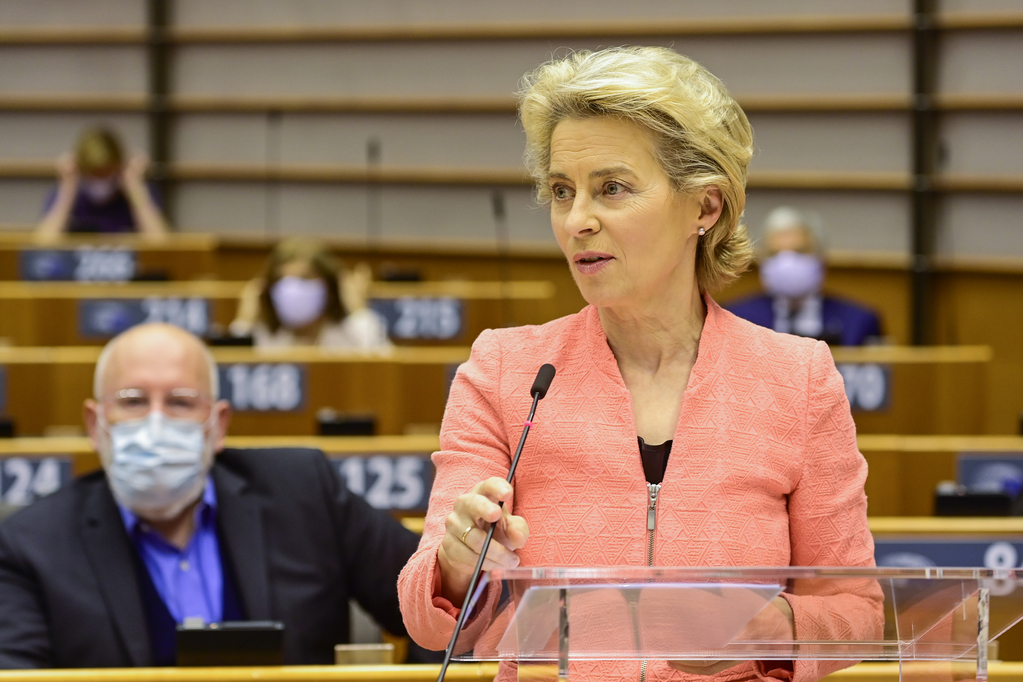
936, 623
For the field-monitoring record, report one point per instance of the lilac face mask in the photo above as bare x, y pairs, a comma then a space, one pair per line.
791, 274
298, 301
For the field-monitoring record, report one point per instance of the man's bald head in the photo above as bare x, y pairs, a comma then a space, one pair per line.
158, 352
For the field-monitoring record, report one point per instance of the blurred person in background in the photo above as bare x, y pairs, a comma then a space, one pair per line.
304, 298
177, 527
99, 191
792, 274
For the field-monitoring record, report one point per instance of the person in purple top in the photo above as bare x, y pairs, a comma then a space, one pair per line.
99, 191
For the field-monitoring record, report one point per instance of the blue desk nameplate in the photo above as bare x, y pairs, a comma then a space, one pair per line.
968, 552
990, 471
421, 318
84, 264
103, 318
399, 482
264, 387
23, 480
868, 386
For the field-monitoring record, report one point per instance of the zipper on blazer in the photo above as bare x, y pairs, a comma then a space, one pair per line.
653, 489
651, 520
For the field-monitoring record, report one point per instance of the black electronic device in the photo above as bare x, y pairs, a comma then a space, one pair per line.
332, 423
231, 643
242, 341
958, 500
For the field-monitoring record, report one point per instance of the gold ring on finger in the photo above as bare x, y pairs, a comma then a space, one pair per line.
466, 532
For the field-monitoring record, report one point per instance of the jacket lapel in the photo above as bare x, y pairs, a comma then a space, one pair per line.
112, 556
240, 528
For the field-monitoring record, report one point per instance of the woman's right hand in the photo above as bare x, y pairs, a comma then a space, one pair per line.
466, 528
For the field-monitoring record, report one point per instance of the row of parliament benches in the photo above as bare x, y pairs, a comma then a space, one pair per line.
395, 473
902, 390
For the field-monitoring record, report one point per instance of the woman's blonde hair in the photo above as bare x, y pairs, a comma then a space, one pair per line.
98, 151
702, 136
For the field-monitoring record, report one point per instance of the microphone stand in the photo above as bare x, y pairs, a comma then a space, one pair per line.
486, 543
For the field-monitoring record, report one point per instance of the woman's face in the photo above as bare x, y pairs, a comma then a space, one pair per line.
628, 235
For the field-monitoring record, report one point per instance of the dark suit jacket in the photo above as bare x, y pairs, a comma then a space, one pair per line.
848, 323
297, 542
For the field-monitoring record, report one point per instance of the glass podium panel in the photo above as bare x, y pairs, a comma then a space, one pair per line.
551, 616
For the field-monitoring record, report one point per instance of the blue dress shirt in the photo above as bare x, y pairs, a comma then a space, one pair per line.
191, 580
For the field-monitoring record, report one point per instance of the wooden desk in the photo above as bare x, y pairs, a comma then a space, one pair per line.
458, 672
931, 389
904, 470
178, 256
46, 386
63, 314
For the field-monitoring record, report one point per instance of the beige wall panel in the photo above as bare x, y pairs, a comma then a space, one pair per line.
82, 69
238, 208
72, 13
988, 143
454, 140
979, 5
420, 213
337, 211
834, 142
840, 63
461, 213
227, 138
43, 136
981, 61
458, 140
21, 201
854, 221
264, 12
749, 64
981, 225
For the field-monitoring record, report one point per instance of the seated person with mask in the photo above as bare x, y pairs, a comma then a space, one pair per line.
305, 298
101, 191
792, 275
175, 527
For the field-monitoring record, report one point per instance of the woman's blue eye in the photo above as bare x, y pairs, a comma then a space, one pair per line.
560, 192
613, 188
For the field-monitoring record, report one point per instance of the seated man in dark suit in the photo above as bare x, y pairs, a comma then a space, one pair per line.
175, 527
792, 274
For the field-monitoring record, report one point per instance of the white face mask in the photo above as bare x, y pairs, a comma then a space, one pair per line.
157, 466
99, 190
791, 274
298, 301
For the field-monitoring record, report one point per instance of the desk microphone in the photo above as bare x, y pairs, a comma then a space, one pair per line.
539, 389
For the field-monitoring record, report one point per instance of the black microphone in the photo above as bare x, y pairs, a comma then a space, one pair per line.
539, 389
543, 381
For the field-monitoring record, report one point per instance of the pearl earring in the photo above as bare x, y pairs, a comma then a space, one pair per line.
702, 231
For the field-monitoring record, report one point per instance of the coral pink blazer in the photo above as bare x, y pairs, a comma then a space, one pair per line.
764, 471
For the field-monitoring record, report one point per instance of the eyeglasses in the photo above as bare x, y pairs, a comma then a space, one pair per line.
178, 403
